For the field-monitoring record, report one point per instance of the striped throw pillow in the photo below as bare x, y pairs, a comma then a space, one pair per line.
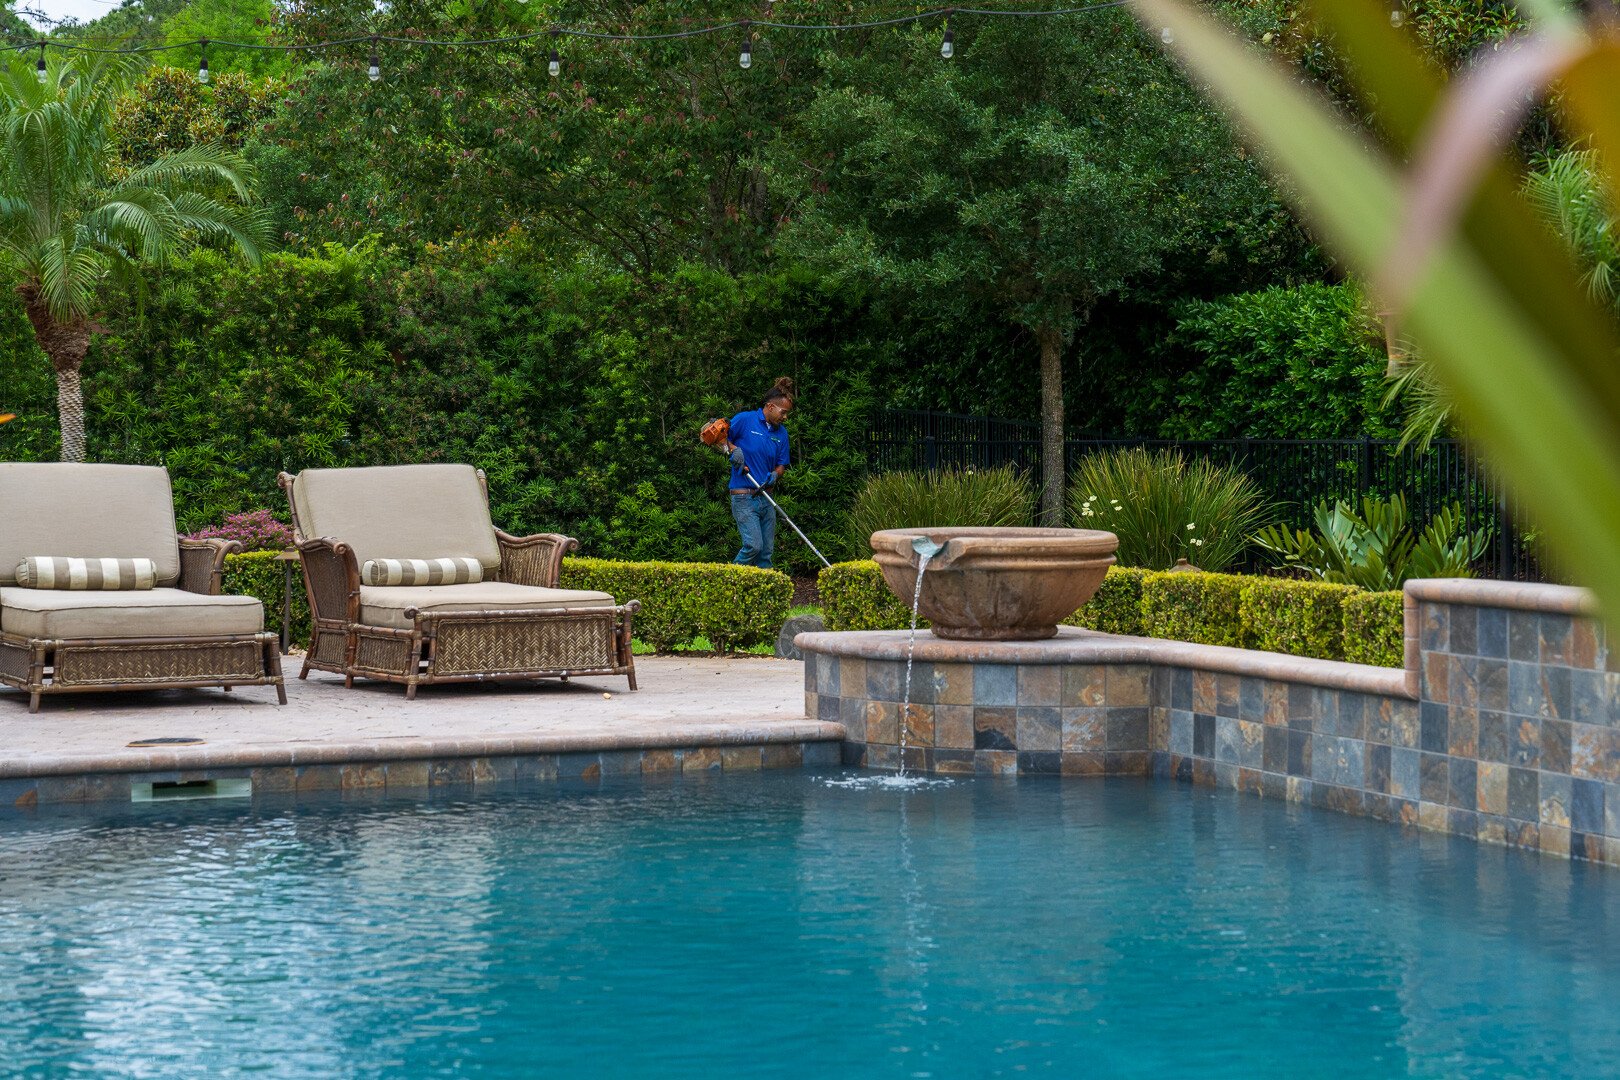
55, 572
421, 571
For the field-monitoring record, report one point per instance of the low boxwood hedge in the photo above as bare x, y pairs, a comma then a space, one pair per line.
259, 574
733, 606
1373, 630
1193, 607
854, 596
1303, 618
1116, 607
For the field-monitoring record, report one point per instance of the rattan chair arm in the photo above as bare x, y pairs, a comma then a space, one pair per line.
202, 564
331, 579
534, 560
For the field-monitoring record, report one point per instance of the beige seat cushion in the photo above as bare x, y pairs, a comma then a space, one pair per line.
40, 613
399, 512
88, 512
385, 605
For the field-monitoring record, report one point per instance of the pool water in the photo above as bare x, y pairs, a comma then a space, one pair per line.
776, 925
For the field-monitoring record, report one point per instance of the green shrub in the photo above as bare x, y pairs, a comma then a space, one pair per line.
1164, 507
1204, 608
1117, 606
1374, 629
1377, 548
1301, 618
732, 606
854, 596
962, 497
259, 574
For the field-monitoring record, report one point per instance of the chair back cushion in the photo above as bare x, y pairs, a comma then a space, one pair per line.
73, 510
399, 512
49, 572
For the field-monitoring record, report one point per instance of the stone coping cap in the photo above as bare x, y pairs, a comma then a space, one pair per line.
275, 755
1074, 645
1515, 595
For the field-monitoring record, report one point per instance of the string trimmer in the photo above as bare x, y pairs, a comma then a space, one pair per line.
718, 433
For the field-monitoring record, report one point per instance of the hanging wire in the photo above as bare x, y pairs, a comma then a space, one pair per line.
555, 32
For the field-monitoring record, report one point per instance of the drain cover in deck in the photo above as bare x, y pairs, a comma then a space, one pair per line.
182, 740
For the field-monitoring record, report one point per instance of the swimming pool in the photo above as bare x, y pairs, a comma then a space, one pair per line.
775, 925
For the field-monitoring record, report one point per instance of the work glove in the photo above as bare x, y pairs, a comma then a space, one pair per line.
737, 456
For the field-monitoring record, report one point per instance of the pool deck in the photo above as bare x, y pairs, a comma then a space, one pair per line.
683, 703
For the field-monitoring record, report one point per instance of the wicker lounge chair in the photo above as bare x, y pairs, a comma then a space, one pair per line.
182, 633
513, 624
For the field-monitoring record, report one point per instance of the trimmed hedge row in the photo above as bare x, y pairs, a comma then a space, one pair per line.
259, 574
1302, 618
732, 606
1373, 629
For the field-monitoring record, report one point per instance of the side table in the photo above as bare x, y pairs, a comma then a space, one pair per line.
289, 567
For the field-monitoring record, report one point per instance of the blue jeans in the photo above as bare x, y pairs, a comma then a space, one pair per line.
756, 524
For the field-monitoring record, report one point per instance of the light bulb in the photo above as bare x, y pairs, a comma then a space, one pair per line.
555, 67
746, 60
202, 70
947, 45
1168, 36
374, 72
39, 68
1397, 17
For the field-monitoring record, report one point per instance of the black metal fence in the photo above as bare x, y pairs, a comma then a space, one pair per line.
1296, 474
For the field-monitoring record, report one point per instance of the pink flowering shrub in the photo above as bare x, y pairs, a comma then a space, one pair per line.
258, 530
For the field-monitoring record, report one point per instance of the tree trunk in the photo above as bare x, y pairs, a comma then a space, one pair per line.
65, 345
1052, 448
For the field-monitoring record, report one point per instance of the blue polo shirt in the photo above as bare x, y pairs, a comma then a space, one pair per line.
764, 447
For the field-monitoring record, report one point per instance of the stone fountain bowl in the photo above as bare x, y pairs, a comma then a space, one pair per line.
990, 584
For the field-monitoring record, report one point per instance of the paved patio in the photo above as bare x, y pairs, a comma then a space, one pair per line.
712, 702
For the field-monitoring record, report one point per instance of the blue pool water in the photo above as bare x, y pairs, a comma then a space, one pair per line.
774, 925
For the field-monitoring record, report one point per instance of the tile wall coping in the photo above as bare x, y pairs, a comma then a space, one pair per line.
277, 755
1076, 646
1514, 595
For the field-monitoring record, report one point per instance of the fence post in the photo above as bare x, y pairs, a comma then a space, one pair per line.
1365, 487
1504, 542
930, 452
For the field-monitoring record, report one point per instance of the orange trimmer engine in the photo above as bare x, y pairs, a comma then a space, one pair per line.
716, 432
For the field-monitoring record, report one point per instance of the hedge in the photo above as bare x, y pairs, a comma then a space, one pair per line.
259, 574
1374, 630
854, 596
1116, 608
733, 606
1204, 608
1302, 618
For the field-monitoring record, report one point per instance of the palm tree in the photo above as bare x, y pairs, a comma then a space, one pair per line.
66, 226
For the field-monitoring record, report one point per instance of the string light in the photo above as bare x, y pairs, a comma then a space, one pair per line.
745, 58
1168, 36
1397, 16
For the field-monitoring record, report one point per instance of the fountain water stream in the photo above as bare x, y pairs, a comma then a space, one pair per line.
926, 549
